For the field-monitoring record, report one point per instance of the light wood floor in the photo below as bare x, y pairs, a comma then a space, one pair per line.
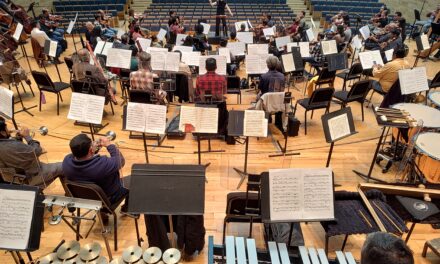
354, 152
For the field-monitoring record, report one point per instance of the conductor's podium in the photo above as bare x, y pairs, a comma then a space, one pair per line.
238, 250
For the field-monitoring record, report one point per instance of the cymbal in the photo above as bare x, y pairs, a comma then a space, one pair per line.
75, 260
50, 259
99, 260
117, 261
171, 256
90, 251
152, 255
132, 254
68, 250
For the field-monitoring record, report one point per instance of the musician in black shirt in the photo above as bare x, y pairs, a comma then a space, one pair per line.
220, 14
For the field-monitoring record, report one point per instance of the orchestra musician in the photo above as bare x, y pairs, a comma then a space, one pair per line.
107, 31
41, 37
49, 24
220, 15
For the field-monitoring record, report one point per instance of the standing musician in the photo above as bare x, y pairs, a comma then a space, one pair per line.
221, 6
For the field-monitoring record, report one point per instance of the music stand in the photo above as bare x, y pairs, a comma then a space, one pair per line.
337, 125
167, 190
11, 111
337, 61
46, 52
24, 195
435, 31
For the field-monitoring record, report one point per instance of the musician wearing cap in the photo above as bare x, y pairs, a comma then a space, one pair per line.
220, 14
23, 157
85, 165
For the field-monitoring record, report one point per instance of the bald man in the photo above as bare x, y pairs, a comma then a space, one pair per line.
81, 68
273, 80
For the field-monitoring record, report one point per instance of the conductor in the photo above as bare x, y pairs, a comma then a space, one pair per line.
220, 14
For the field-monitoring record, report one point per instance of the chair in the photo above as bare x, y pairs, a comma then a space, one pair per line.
434, 245
353, 73
10, 175
124, 81
320, 99
139, 96
325, 77
357, 93
44, 83
38, 52
91, 191
69, 64
233, 87
244, 207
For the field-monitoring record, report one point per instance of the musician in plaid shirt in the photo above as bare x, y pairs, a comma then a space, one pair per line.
210, 82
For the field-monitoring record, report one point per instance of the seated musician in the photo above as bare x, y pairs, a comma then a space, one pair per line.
93, 34
210, 83
302, 26
85, 165
273, 80
381, 247
107, 32
185, 70
270, 22
41, 37
48, 24
175, 27
14, 153
201, 39
155, 43
384, 77
84, 70
233, 37
142, 79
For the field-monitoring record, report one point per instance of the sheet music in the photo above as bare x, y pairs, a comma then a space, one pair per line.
154, 49
144, 43
356, 43
119, 58
221, 64
102, 47
282, 41
256, 64
17, 209
413, 80
203, 119
365, 32
425, 41
50, 48
76, 17
368, 58
183, 48
310, 34
86, 108
238, 26
256, 49
70, 27
254, 123
180, 39
146, 118
301, 194
206, 28
268, 32
226, 53
161, 34
313, 22
6, 102
339, 127
329, 47
191, 58
17, 32
389, 54
246, 37
158, 60
304, 48
288, 63
237, 48
172, 62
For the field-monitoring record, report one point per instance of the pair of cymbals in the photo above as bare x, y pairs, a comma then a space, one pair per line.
90, 251
68, 250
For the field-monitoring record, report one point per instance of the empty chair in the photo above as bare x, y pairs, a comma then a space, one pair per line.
320, 99
357, 93
355, 72
45, 84
233, 87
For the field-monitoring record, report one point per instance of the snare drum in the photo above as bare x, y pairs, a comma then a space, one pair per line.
428, 158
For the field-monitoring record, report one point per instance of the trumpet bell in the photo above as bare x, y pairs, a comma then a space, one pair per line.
111, 135
43, 130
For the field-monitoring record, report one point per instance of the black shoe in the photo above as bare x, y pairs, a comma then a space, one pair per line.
28, 82
57, 61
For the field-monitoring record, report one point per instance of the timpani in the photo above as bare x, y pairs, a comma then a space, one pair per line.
435, 98
428, 157
429, 115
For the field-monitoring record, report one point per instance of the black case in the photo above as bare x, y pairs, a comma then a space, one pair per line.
293, 126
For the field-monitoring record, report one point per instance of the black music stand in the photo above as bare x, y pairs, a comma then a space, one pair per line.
10, 117
235, 129
71, 32
299, 67
329, 126
46, 52
337, 61
167, 190
36, 225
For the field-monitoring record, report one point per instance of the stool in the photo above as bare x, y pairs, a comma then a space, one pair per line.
434, 245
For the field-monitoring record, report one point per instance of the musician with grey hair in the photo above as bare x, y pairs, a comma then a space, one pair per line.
381, 248
273, 80
83, 68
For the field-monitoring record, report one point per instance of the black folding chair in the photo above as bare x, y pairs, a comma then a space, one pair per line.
357, 93
45, 84
233, 87
355, 72
325, 77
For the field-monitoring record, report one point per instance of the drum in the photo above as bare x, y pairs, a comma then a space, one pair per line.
435, 98
428, 157
429, 115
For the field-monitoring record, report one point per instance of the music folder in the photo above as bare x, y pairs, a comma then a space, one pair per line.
338, 125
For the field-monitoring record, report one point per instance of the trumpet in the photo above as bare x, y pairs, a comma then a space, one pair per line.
111, 135
43, 130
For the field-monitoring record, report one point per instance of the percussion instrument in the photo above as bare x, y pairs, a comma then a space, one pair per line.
435, 98
429, 115
428, 158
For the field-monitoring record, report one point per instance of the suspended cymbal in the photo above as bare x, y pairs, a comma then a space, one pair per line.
171, 256
50, 259
132, 254
90, 251
68, 250
152, 255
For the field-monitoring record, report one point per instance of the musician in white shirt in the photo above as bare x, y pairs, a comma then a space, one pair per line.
41, 37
